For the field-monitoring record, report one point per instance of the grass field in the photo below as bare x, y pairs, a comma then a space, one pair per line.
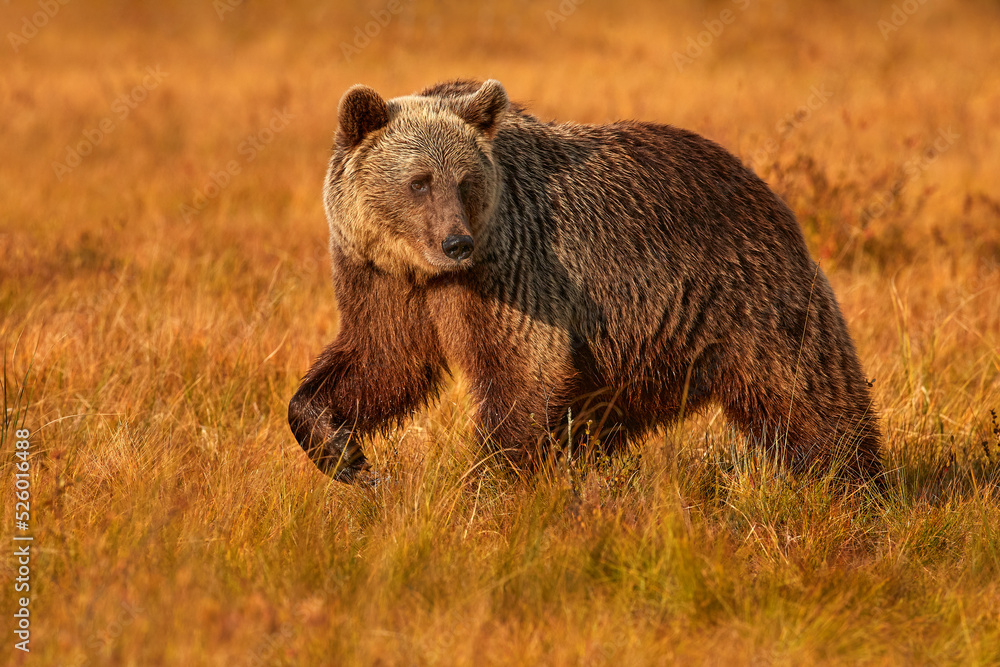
164, 284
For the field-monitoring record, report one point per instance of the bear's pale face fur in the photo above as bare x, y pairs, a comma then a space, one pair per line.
409, 173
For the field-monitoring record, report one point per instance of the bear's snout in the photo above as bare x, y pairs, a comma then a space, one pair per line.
457, 247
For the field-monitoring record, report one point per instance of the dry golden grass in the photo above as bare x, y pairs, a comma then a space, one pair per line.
177, 522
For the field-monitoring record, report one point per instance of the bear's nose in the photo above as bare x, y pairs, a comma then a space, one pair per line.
457, 247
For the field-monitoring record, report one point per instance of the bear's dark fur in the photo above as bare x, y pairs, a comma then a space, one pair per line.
629, 272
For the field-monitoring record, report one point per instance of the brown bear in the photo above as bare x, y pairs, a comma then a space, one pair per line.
591, 281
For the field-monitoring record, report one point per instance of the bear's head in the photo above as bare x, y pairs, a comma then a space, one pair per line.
412, 181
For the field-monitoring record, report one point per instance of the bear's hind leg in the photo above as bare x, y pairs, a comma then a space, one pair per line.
805, 436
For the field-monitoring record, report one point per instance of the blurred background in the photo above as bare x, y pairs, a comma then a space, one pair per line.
830, 102
164, 283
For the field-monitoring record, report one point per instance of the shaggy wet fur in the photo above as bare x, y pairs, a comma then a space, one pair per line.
629, 272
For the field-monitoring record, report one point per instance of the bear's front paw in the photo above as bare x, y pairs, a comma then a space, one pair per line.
333, 448
336, 452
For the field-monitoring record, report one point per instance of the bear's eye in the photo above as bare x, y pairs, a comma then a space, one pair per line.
421, 184
465, 189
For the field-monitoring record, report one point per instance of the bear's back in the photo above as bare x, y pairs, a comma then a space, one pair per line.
628, 179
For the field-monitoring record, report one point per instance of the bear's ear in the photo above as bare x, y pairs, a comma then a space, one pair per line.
361, 110
485, 108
